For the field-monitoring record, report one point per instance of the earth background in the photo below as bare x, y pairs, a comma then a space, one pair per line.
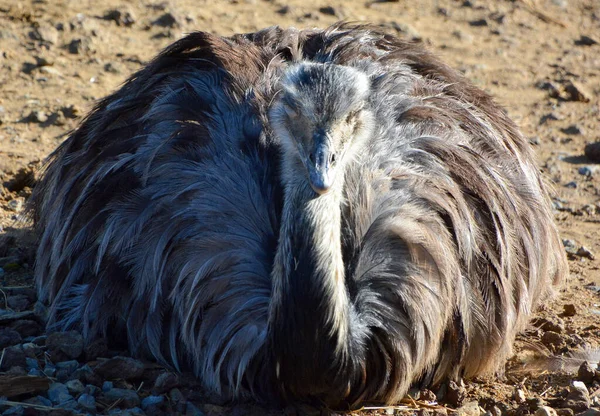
539, 59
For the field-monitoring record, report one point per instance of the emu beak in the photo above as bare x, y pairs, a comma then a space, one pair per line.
321, 169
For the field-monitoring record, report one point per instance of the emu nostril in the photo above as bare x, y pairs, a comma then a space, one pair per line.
332, 158
311, 157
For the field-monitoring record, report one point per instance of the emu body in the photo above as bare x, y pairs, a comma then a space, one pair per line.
318, 214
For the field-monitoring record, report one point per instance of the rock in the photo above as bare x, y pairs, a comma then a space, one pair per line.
125, 368
9, 337
455, 394
545, 411
585, 40
165, 382
112, 68
554, 324
592, 151
328, 10
32, 363
75, 387
571, 184
87, 402
128, 398
590, 412
587, 253
80, 46
37, 116
26, 327
427, 396
284, 10
95, 349
519, 396
107, 385
478, 22
586, 373
71, 111
586, 171
565, 412
573, 129
152, 404
50, 370
569, 309
18, 303
470, 409
45, 34
576, 92
553, 340
176, 396
69, 343
578, 397
14, 411
192, 410
58, 393
120, 17
167, 20
13, 356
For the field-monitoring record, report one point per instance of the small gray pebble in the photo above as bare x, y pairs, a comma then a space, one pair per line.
87, 402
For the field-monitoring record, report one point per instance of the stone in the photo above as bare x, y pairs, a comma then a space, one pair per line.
165, 382
13, 356
545, 411
129, 398
573, 129
455, 394
107, 385
192, 410
69, 343
95, 349
87, 402
26, 327
151, 404
122, 17
9, 337
470, 409
576, 92
581, 252
478, 22
592, 151
578, 397
46, 34
553, 340
167, 20
585, 40
14, 411
519, 396
75, 387
58, 393
18, 303
427, 396
586, 171
555, 324
38, 116
125, 368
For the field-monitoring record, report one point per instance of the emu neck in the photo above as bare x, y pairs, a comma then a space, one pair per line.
310, 306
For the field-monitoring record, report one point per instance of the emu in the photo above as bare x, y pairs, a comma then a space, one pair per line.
327, 215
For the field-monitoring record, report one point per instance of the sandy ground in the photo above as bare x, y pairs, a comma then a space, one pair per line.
540, 59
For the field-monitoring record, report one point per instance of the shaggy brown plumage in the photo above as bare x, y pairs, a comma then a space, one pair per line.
181, 214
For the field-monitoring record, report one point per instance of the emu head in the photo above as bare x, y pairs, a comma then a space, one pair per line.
322, 118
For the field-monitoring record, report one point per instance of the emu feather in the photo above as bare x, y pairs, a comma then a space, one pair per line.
326, 215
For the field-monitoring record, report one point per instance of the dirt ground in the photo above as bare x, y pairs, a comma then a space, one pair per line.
540, 59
